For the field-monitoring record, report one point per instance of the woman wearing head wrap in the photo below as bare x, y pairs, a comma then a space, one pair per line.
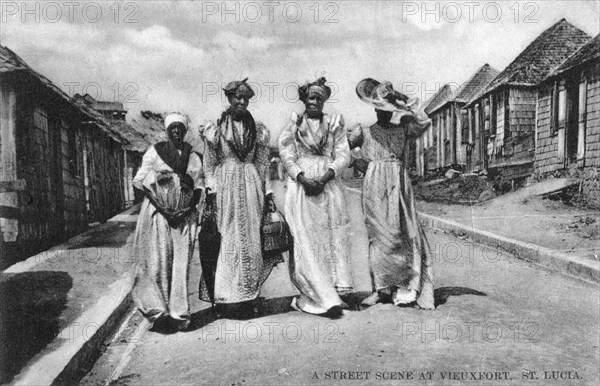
172, 180
237, 179
314, 150
398, 251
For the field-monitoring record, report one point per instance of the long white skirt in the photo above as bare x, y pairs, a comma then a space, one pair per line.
320, 266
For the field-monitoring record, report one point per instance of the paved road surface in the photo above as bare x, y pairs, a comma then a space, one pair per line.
498, 321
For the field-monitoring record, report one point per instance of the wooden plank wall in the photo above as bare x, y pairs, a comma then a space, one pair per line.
105, 164
546, 156
521, 126
72, 171
592, 137
546, 159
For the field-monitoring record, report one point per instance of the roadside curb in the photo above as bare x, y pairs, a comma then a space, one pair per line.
80, 342
67, 360
571, 265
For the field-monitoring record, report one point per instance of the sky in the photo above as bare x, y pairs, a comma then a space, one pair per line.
177, 55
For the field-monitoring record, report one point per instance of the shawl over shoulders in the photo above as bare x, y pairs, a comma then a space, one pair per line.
211, 132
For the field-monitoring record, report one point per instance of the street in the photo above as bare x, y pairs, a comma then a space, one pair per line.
498, 320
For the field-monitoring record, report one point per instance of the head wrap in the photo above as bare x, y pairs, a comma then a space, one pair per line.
176, 117
236, 87
318, 86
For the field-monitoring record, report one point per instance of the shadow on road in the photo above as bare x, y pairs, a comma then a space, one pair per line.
108, 235
242, 311
266, 307
32, 304
442, 294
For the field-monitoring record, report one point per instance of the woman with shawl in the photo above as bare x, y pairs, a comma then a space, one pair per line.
237, 180
171, 178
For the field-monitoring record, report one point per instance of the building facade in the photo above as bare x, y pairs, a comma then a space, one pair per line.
58, 163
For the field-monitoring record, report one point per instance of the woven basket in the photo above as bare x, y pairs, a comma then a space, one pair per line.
276, 233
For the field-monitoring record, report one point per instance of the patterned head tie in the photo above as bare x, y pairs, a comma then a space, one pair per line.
239, 88
317, 86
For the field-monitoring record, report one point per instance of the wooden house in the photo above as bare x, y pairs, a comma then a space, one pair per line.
449, 143
568, 120
502, 118
454, 142
463, 137
132, 151
427, 149
49, 145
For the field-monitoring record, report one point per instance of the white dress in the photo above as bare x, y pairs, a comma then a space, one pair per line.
164, 251
241, 181
319, 224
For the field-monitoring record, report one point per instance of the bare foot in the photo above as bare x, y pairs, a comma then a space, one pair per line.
371, 300
404, 296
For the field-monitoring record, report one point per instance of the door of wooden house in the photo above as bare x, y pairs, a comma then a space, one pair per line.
94, 160
572, 122
55, 176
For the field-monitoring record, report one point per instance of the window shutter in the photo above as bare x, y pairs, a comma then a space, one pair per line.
554, 109
506, 96
582, 118
561, 121
464, 129
493, 114
562, 108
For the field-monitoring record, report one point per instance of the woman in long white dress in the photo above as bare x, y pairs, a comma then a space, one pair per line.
399, 258
315, 151
172, 180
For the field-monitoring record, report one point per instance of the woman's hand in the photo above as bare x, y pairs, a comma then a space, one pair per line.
328, 176
361, 164
311, 187
321, 182
270, 203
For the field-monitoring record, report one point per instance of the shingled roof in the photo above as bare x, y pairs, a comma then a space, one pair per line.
443, 95
11, 62
476, 83
136, 141
542, 56
100, 105
586, 54
150, 126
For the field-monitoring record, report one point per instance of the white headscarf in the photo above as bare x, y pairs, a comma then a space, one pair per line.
176, 117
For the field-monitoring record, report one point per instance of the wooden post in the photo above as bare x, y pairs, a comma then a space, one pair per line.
9, 227
582, 118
